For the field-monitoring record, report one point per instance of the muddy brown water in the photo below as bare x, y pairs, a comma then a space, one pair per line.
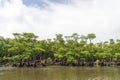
61, 73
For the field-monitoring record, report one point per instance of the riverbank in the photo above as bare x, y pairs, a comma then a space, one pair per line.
39, 64
25, 50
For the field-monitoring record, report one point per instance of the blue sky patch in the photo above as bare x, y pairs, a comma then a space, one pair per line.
59, 1
41, 3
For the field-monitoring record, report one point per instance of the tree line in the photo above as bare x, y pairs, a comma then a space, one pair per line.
75, 50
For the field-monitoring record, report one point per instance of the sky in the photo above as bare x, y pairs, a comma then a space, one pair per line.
46, 18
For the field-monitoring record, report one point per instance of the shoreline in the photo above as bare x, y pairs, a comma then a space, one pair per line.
86, 64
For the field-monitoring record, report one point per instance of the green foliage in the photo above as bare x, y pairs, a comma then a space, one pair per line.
49, 60
91, 36
74, 49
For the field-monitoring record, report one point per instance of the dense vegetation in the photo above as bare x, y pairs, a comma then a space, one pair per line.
26, 50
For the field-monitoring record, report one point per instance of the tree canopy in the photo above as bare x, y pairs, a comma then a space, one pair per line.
63, 50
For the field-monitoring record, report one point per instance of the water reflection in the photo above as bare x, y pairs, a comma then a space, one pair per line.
62, 73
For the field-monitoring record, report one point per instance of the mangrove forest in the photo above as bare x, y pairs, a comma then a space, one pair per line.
27, 50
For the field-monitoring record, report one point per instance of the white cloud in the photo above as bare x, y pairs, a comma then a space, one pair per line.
82, 16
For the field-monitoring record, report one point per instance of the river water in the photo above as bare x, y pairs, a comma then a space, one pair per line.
61, 73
